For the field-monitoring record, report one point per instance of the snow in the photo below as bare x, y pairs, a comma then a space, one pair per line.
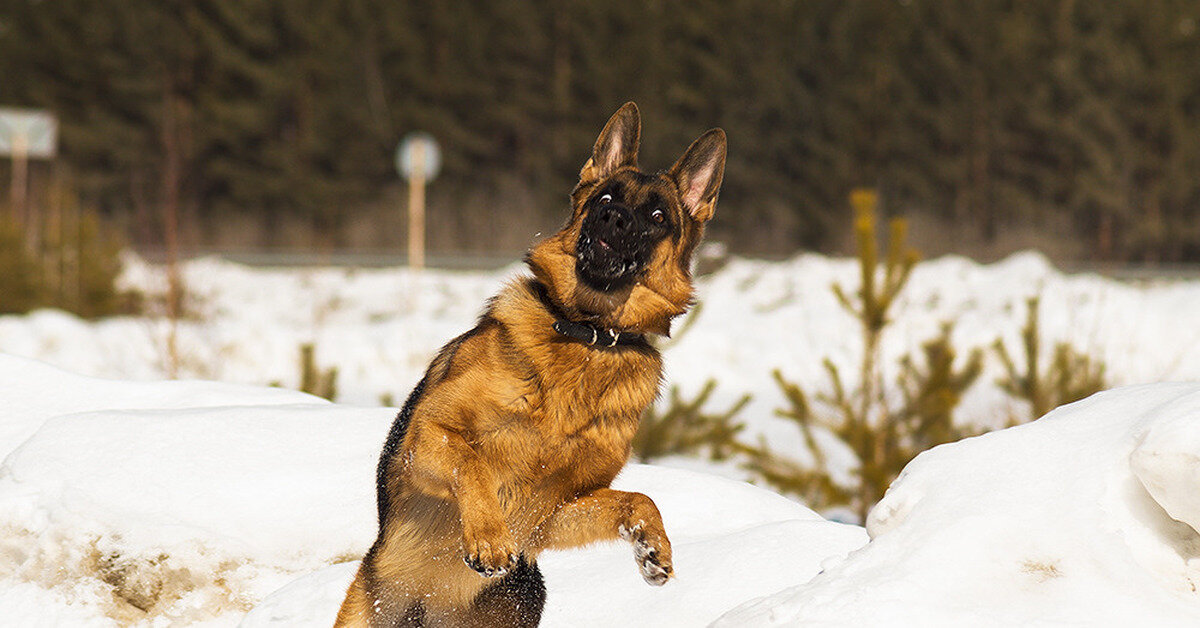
380, 327
197, 500
213, 503
35, 391
1167, 462
214, 493
1047, 524
730, 541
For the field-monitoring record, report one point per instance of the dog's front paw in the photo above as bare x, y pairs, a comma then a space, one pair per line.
491, 558
652, 551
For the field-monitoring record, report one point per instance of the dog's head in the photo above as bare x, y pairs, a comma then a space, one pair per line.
623, 259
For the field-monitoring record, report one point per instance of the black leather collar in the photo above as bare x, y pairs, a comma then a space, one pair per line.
584, 331
588, 333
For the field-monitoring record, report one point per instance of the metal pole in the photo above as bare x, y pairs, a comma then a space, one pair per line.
416, 210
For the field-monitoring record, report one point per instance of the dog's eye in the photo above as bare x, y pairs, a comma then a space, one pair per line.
658, 216
605, 199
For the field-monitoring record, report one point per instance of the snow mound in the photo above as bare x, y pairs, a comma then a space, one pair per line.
731, 542
187, 503
239, 478
1066, 520
35, 391
1167, 461
182, 500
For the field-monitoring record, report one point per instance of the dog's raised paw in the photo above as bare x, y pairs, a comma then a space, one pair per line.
653, 571
652, 564
490, 561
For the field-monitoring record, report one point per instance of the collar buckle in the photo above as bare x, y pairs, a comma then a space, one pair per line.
586, 332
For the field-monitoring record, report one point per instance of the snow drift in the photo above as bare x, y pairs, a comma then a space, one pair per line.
183, 503
380, 327
729, 540
193, 503
1084, 517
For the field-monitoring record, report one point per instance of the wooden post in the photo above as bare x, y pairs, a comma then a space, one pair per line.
417, 160
416, 210
20, 186
20, 176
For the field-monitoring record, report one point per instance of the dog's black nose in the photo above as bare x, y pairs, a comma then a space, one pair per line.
616, 218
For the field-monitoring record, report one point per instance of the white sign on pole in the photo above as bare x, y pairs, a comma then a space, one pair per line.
418, 151
418, 161
28, 133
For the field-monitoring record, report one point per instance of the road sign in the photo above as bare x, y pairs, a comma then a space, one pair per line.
418, 160
418, 156
28, 133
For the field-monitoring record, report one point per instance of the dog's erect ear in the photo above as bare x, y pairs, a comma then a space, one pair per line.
617, 145
699, 172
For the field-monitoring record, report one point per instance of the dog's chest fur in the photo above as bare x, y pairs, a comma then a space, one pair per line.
565, 416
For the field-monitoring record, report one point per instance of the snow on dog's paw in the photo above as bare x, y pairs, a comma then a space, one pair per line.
652, 553
489, 561
653, 571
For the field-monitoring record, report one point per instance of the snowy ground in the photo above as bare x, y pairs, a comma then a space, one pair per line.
201, 500
214, 504
1063, 521
380, 327
196, 500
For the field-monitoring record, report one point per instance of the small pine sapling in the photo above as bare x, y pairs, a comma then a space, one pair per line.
684, 428
932, 393
21, 285
865, 423
88, 265
72, 264
1069, 376
813, 483
882, 439
313, 380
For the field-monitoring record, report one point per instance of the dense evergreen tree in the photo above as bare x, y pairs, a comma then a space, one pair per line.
262, 119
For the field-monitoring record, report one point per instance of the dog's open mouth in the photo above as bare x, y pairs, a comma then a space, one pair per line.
602, 265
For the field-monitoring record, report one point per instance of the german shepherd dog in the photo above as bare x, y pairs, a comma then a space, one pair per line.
508, 444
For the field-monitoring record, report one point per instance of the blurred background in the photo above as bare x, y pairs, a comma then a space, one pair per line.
262, 125
1008, 144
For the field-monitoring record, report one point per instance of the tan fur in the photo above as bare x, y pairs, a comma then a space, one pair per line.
519, 431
